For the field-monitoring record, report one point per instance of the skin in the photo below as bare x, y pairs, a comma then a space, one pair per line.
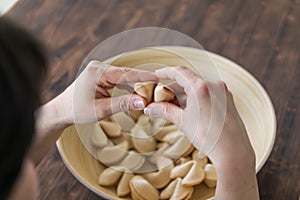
230, 150
91, 105
26, 186
236, 179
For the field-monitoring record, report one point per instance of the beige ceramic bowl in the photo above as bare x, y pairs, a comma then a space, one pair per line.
251, 100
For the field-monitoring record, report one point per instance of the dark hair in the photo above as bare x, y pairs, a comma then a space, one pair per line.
22, 69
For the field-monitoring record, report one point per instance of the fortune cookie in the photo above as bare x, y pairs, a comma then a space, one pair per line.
183, 160
133, 161
163, 131
114, 153
110, 176
181, 170
123, 188
200, 158
135, 114
154, 92
181, 191
195, 176
145, 89
161, 178
167, 192
190, 172
158, 122
110, 128
182, 147
121, 139
141, 141
141, 189
116, 175
210, 175
99, 139
144, 122
172, 137
163, 93
162, 147
123, 121
176, 191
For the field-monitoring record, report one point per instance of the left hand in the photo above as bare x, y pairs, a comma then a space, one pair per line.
87, 99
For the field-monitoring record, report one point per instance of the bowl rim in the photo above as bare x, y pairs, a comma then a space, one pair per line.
229, 64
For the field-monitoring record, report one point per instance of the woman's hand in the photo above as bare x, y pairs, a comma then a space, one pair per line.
86, 100
211, 122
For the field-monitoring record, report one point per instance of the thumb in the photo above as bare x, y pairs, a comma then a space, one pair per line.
108, 106
165, 110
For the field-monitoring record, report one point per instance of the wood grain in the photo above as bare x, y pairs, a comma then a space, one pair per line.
262, 36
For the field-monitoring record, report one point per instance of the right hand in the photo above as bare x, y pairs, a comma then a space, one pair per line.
211, 122
209, 119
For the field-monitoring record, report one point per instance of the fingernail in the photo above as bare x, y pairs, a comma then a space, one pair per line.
138, 104
154, 111
147, 111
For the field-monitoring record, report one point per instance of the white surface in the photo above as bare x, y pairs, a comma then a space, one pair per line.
5, 5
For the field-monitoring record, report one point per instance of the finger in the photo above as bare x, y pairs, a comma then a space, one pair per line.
100, 93
165, 110
183, 76
180, 100
127, 87
108, 106
176, 88
121, 75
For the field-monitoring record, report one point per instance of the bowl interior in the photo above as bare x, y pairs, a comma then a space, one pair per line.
253, 104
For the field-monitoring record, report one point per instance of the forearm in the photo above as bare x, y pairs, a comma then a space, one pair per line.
50, 123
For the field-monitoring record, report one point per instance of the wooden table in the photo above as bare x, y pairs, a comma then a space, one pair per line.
262, 36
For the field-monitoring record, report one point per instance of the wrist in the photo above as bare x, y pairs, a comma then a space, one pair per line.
232, 149
236, 168
49, 126
237, 183
244, 159
236, 177
51, 117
